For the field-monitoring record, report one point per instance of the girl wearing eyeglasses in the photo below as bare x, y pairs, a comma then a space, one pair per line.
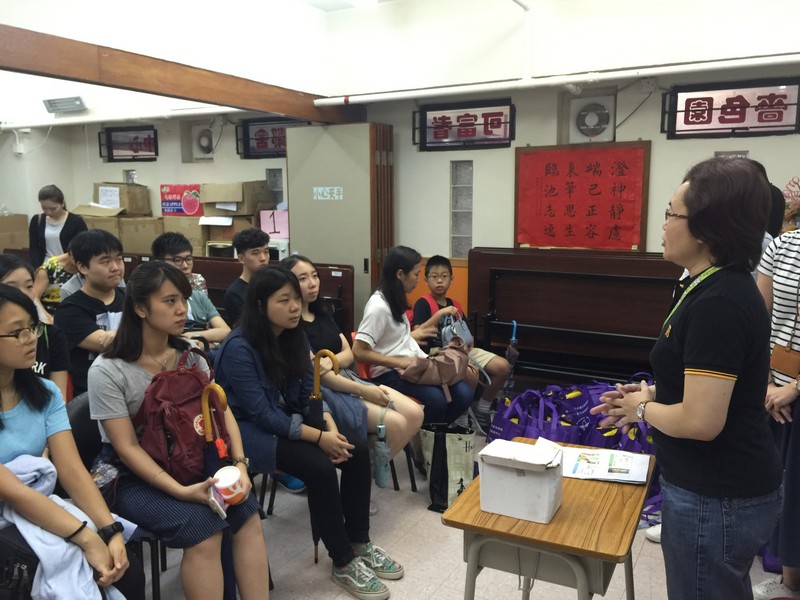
33, 417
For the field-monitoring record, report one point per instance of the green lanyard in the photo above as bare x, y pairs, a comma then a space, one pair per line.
700, 278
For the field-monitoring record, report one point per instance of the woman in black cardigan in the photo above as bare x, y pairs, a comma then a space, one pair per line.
56, 216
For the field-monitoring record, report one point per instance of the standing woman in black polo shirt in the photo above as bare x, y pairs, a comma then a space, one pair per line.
51, 232
720, 472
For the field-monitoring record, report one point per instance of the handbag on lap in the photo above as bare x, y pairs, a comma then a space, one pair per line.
446, 367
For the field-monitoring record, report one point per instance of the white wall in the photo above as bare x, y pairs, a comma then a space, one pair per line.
423, 178
46, 160
414, 43
69, 158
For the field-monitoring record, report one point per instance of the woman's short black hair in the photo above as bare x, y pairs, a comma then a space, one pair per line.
728, 203
285, 357
29, 386
399, 258
146, 279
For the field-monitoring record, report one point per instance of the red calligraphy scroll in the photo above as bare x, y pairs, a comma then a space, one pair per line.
583, 196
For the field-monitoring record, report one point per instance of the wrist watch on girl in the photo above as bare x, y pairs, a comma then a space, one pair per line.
109, 531
640, 411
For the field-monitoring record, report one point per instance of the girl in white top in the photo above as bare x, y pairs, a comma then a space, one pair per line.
385, 341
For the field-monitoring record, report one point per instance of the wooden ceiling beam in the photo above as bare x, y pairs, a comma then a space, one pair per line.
35, 53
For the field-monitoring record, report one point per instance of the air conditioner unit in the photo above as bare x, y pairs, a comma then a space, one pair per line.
202, 142
278, 249
592, 119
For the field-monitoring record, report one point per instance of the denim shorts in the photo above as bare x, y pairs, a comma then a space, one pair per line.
709, 543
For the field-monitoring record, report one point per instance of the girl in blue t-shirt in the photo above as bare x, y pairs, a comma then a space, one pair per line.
33, 416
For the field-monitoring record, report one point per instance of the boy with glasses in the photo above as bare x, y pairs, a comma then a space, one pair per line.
203, 319
439, 275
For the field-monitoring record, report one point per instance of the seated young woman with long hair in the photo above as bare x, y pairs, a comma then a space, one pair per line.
52, 352
33, 416
385, 341
149, 341
265, 369
404, 421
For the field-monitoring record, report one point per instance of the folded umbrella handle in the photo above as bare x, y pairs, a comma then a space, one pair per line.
223, 402
317, 394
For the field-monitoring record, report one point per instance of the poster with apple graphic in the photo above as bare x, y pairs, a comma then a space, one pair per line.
181, 200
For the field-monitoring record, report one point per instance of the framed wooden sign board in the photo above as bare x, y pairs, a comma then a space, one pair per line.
582, 196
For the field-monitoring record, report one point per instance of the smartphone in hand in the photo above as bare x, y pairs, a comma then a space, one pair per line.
216, 501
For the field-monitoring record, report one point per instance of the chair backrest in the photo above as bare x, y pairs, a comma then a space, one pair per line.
84, 430
362, 370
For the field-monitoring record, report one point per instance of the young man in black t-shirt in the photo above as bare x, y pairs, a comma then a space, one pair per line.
252, 250
90, 316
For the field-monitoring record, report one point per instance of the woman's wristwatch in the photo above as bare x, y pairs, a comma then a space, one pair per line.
109, 531
640, 411
241, 459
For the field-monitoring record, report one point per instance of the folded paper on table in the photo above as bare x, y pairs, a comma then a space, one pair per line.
606, 465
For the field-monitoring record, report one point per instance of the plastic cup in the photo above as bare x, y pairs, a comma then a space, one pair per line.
229, 484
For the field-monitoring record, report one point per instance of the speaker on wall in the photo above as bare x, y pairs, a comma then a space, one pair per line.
592, 119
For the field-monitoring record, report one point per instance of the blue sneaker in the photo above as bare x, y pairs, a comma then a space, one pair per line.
290, 483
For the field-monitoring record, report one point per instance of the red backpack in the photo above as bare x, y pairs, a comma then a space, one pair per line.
171, 414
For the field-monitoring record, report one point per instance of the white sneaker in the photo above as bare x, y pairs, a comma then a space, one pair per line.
773, 589
373, 509
654, 533
462, 421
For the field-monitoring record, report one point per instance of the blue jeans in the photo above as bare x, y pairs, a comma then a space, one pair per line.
709, 543
437, 409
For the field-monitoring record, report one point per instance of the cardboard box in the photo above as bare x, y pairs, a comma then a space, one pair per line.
95, 210
137, 233
110, 224
13, 232
225, 232
233, 199
133, 198
521, 480
191, 228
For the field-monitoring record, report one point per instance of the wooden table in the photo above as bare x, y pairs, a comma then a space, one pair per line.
589, 535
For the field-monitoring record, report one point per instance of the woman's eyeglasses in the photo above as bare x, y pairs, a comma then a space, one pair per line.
26, 334
671, 215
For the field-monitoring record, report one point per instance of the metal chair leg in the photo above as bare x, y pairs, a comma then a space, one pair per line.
272, 493
409, 459
394, 476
